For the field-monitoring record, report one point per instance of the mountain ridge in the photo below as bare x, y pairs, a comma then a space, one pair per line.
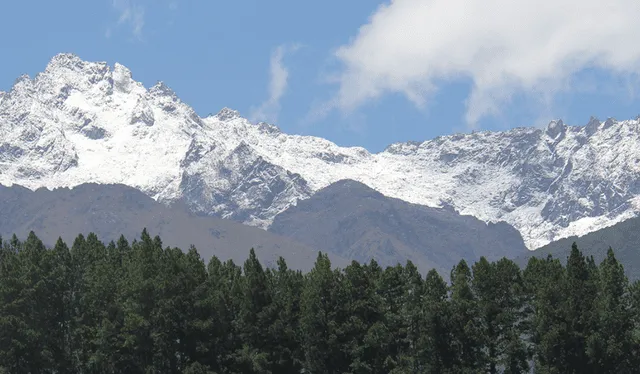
352, 220
623, 238
113, 210
79, 122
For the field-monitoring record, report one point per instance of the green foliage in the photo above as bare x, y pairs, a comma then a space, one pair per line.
499, 290
611, 342
142, 308
436, 351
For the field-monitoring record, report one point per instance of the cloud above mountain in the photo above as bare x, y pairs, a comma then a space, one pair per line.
131, 13
502, 47
278, 80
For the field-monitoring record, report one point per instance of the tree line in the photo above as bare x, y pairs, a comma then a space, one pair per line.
142, 308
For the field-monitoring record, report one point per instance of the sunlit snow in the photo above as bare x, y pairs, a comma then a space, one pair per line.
80, 122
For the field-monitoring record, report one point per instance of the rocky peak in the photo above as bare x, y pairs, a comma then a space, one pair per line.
121, 70
21, 80
22, 84
244, 151
556, 128
609, 122
65, 61
227, 114
70, 66
268, 128
66, 72
162, 90
122, 78
592, 126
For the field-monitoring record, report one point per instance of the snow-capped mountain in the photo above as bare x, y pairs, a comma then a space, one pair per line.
80, 122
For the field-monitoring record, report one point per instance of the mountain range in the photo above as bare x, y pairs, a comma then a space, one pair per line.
82, 122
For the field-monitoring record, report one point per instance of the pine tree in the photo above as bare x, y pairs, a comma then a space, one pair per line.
101, 319
488, 291
634, 295
13, 325
138, 297
546, 284
286, 286
318, 306
40, 298
60, 286
392, 289
611, 344
499, 289
579, 311
254, 319
412, 316
361, 326
464, 321
513, 354
168, 314
436, 350
217, 305
193, 278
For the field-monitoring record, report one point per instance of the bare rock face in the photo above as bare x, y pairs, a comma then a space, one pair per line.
79, 122
243, 187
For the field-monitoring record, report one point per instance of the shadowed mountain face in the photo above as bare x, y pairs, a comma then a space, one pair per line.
623, 237
112, 210
356, 222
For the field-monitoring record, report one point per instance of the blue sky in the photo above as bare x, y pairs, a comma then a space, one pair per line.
364, 72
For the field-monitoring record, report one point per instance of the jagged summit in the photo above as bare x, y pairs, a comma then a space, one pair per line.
227, 114
66, 60
21, 79
161, 89
268, 128
69, 68
609, 122
555, 128
80, 122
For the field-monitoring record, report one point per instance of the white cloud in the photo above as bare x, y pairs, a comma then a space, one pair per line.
278, 79
504, 47
130, 13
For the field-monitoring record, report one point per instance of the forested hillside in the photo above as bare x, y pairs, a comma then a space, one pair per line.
623, 236
141, 308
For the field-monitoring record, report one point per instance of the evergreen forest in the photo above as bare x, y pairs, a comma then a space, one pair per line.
142, 308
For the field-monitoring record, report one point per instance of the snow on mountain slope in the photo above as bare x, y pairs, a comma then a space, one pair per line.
80, 122
549, 183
